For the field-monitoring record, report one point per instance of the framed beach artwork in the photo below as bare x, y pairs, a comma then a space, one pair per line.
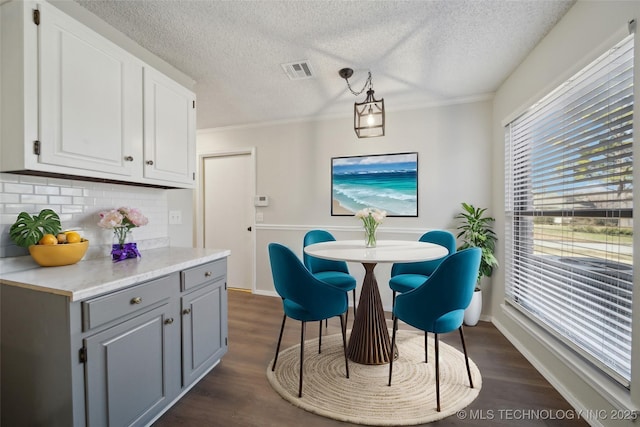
383, 181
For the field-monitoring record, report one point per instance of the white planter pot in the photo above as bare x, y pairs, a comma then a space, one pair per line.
472, 313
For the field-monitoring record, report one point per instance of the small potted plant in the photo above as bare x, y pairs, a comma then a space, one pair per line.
476, 231
48, 245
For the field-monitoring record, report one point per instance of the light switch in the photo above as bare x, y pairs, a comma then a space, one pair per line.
175, 217
259, 216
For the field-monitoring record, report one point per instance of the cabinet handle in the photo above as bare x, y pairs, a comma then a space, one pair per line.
150, 162
136, 300
186, 311
128, 158
207, 274
168, 321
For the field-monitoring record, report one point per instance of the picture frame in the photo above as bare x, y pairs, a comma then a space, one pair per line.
384, 181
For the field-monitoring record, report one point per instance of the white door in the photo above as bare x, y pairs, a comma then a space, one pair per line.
228, 213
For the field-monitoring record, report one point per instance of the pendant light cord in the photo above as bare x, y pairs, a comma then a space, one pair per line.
367, 82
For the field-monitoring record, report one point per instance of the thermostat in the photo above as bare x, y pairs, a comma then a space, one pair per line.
261, 200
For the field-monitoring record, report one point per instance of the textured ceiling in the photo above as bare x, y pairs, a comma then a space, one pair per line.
419, 52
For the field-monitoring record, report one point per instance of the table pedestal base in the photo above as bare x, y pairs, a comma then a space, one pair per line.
369, 343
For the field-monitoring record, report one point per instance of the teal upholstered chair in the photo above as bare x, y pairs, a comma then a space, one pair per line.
408, 276
438, 304
304, 298
333, 272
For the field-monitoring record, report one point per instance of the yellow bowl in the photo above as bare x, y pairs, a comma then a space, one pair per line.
57, 255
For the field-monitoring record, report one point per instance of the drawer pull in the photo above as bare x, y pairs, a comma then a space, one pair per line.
168, 321
207, 274
136, 300
186, 311
150, 162
128, 158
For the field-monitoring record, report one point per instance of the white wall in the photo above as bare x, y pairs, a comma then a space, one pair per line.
294, 170
183, 234
585, 32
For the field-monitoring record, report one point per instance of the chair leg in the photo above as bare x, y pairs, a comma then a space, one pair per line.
354, 303
343, 326
275, 359
426, 347
437, 374
393, 305
303, 327
466, 358
393, 344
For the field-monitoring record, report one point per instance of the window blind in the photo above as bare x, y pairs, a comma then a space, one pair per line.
569, 208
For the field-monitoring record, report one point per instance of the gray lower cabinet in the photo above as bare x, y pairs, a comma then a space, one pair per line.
132, 369
204, 334
118, 359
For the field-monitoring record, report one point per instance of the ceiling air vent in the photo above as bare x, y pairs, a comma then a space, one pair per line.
298, 70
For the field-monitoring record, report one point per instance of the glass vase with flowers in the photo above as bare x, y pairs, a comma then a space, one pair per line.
371, 219
123, 220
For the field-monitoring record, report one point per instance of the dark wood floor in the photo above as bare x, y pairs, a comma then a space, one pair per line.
237, 393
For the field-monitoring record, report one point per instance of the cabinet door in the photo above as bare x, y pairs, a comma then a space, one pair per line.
90, 99
204, 330
131, 369
169, 129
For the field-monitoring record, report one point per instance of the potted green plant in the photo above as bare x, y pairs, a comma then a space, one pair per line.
28, 230
476, 231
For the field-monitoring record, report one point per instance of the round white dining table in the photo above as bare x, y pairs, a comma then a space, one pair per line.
369, 342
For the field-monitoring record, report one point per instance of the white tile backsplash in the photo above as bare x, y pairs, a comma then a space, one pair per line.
10, 187
78, 204
34, 198
46, 189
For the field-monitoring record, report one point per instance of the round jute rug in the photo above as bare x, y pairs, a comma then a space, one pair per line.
365, 397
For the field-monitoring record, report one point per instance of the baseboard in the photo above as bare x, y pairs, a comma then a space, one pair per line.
266, 293
240, 289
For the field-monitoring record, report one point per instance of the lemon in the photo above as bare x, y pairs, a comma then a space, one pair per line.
73, 237
48, 239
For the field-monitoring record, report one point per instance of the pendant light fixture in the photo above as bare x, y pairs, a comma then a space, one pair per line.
368, 116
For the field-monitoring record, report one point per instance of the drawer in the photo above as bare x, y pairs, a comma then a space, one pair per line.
104, 309
205, 273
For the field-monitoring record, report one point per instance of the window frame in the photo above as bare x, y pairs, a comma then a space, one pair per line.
512, 226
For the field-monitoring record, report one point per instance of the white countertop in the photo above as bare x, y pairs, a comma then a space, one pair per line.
89, 278
385, 251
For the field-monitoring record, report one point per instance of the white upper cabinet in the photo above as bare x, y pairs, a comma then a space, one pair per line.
90, 98
169, 129
80, 105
